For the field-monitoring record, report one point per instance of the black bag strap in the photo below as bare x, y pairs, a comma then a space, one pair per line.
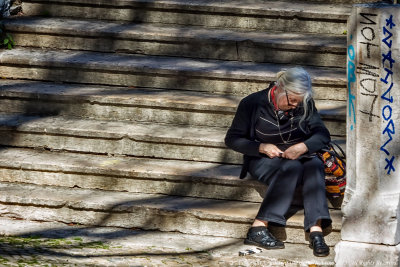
333, 145
332, 149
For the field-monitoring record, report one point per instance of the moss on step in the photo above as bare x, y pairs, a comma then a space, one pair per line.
28, 248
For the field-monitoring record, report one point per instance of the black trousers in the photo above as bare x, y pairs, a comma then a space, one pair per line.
282, 177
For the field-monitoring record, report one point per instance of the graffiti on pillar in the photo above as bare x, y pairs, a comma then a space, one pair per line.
351, 79
369, 75
387, 85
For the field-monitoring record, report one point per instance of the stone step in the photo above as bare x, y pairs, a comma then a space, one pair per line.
134, 247
224, 77
146, 211
117, 137
141, 105
195, 42
341, 1
251, 14
137, 175
120, 103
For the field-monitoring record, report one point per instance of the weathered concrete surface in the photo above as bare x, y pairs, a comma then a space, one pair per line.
371, 204
343, 1
185, 178
363, 254
137, 175
374, 179
195, 42
250, 14
142, 105
118, 137
118, 103
212, 76
124, 96
146, 211
124, 247
114, 137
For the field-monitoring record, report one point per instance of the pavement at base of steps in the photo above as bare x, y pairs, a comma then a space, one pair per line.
28, 243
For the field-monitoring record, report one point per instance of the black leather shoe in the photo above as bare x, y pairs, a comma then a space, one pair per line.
260, 236
317, 243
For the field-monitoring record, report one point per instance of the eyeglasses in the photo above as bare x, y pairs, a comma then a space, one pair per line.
296, 102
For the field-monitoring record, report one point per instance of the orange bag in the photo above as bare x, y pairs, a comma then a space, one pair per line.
335, 169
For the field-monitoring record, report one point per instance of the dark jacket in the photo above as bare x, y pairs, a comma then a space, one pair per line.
241, 135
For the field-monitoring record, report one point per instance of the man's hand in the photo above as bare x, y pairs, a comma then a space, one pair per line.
295, 151
270, 150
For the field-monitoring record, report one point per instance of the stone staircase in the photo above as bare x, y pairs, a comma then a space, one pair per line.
114, 112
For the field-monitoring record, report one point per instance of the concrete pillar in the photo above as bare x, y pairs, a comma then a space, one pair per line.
370, 231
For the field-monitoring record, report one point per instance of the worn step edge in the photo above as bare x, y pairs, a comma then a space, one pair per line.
138, 104
212, 76
117, 137
147, 211
284, 22
331, 113
65, 169
118, 103
40, 105
117, 130
238, 7
141, 97
119, 96
341, 1
304, 49
138, 175
151, 32
260, 15
120, 63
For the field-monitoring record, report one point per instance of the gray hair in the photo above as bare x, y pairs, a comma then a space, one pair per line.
297, 81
